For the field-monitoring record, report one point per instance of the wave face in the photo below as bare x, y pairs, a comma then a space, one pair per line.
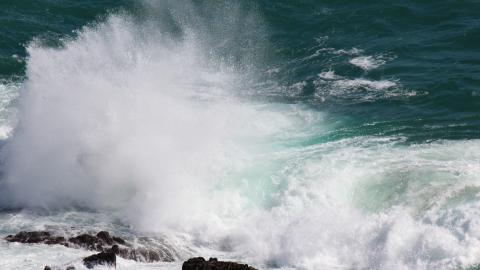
248, 131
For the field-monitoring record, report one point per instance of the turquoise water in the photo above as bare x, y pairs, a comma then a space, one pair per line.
286, 134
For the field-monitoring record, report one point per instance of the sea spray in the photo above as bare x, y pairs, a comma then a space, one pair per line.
139, 120
120, 94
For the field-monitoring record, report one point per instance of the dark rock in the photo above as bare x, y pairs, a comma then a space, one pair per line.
29, 237
115, 249
200, 263
194, 264
119, 240
105, 236
101, 242
149, 251
59, 240
36, 238
102, 258
47, 268
86, 241
70, 268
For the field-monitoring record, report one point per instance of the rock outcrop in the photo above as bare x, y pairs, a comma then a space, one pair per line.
101, 242
200, 263
35, 237
103, 258
111, 246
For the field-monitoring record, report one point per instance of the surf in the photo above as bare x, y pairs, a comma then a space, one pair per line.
175, 124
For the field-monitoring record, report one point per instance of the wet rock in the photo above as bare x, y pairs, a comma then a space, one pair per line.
200, 263
148, 251
86, 241
36, 238
105, 237
98, 242
29, 237
119, 240
102, 258
59, 240
47, 268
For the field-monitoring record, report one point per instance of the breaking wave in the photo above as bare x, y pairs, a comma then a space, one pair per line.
145, 120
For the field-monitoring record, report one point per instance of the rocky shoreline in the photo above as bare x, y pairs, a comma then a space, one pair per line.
108, 247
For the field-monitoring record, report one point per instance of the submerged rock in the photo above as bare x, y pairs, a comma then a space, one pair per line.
200, 263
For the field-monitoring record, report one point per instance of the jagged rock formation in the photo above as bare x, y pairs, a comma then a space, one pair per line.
101, 242
112, 246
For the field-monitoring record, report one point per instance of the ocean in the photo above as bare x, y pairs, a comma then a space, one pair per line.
283, 134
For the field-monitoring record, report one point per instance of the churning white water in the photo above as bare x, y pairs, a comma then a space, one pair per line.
148, 130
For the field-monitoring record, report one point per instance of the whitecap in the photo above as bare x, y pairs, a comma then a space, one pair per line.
364, 83
367, 62
329, 75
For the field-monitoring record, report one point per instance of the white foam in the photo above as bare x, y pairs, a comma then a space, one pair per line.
367, 62
352, 51
329, 75
393, 233
330, 50
355, 83
272, 71
297, 88
330, 85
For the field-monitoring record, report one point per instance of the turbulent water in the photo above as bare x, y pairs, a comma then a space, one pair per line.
284, 134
